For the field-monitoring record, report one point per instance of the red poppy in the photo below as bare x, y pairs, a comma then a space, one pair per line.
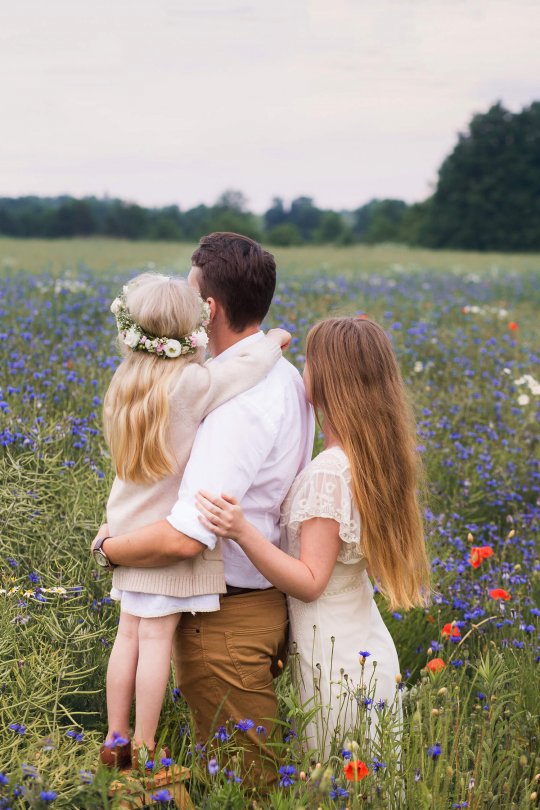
499, 593
513, 326
448, 630
436, 664
355, 770
479, 553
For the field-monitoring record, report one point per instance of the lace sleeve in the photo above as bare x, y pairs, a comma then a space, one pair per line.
325, 493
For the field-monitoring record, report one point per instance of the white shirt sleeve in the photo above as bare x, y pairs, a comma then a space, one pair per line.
230, 447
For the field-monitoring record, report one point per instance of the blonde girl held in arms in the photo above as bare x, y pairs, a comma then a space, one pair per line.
353, 508
156, 400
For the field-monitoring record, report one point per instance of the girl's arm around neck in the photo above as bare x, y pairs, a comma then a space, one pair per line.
208, 386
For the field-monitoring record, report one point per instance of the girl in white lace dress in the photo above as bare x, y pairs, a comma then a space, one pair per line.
353, 508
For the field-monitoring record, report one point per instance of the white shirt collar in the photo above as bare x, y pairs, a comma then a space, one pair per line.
237, 347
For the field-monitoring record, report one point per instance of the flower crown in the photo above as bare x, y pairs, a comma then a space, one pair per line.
137, 339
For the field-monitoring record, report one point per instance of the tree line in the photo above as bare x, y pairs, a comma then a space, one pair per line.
487, 198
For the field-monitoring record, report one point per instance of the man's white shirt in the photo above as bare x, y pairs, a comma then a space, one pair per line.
252, 448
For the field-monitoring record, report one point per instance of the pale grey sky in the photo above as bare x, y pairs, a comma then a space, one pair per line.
163, 101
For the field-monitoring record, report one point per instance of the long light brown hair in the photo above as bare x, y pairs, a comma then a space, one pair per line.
356, 384
136, 405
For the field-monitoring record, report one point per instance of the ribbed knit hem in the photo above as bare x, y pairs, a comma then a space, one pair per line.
146, 581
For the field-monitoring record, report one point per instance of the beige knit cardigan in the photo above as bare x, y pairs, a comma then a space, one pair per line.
198, 390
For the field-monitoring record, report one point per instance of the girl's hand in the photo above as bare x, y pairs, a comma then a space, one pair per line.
221, 515
281, 337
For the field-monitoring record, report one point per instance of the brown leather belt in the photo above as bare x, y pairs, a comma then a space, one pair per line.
232, 590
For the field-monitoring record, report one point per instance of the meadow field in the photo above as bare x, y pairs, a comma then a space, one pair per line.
466, 330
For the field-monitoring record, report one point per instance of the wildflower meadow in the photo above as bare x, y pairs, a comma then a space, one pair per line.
466, 331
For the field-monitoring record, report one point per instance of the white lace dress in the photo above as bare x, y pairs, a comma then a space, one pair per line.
347, 701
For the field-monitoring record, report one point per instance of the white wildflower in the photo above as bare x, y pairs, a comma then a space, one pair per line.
115, 306
418, 366
523, 399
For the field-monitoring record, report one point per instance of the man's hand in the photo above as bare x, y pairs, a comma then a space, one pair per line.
103, 531
281, 337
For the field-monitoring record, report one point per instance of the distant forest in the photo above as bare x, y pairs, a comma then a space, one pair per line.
487, 198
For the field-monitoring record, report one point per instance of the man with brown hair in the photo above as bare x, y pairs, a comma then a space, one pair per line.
252, 447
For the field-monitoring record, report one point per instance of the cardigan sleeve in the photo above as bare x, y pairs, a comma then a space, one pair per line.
208, 386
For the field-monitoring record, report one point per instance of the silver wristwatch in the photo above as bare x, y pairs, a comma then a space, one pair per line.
100, 557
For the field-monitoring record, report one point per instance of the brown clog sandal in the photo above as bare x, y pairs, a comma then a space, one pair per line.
116, 753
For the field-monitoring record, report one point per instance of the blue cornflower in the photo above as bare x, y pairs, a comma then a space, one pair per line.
87, 777
346, 754
162, 796
3, 779
457, 663
213, 767
18, 790
244, 725
29, 770
364, 653
434, 751
261, 730
221, 734
290, 735
167, 761
12, 562
397, 616
176, 694
232, 777
18, 728
78, 736
338, 792
33, 577
117, 739
287, 772
368, 702
377, 766
48, 795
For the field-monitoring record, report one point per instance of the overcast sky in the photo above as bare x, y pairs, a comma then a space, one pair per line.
163, 101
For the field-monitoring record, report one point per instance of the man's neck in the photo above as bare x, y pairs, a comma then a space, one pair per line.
223, 339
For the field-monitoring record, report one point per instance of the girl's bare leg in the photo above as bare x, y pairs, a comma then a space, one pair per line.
121, 675
153, 669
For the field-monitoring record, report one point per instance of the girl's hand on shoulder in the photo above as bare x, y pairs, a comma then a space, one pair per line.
221, 515
281, 337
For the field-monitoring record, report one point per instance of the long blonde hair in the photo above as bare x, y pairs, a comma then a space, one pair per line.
136, 405
356, 383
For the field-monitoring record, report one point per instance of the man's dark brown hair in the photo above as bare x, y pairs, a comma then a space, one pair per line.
239, 274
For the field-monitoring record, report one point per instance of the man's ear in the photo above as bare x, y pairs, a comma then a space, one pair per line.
214, 308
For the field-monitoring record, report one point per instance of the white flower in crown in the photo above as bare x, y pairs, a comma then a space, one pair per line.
132, 337
172, 348
199, 338
116, 306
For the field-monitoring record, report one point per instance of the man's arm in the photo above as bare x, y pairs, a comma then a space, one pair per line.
151, 546
229, 450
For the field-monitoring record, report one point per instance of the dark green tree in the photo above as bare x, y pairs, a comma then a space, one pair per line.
488, 191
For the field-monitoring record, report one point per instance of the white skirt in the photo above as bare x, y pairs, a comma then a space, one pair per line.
153, 605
